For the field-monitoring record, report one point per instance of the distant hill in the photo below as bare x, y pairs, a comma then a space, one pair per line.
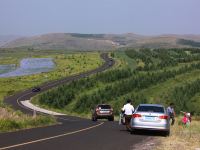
62, 41
4, 39
76, 41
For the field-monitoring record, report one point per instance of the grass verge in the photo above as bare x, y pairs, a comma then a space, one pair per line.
182, 137
12, 121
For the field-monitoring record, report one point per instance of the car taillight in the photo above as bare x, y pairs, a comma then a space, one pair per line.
163, 117
136, 115
97, 109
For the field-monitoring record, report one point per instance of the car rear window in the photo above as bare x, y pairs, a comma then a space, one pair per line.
151, 109
104, 106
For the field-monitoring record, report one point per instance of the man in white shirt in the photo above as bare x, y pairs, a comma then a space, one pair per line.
128, 110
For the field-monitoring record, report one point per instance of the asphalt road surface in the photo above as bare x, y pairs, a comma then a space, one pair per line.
72, 133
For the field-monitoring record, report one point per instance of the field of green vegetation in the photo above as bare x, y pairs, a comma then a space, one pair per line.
67, 63
144, 75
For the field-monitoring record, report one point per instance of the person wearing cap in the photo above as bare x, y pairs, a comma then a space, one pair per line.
128, 110
171, 113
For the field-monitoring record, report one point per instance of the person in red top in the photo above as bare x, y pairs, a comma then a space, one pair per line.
186, 120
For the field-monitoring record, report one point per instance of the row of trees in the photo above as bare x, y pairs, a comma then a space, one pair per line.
63, 95
189, 42
161, 58
136, 82
120, 82
127, 81
181, 96
114, 75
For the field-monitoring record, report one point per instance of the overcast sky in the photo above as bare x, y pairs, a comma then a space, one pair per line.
147, 17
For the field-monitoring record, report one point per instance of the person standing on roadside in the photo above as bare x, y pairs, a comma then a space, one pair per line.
171, 113
128, 110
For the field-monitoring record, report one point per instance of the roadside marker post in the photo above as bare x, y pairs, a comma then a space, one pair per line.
34, 113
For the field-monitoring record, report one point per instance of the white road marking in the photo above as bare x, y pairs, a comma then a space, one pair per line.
49, 138
28, 104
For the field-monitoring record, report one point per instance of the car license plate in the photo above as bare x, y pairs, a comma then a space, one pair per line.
104, 111
149, 118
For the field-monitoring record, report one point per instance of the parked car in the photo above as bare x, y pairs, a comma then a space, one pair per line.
151, 117
103, 111
36, 89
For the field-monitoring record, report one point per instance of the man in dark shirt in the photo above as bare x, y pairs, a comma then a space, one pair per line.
171, 113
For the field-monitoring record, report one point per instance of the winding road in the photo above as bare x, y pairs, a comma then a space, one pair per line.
71, 133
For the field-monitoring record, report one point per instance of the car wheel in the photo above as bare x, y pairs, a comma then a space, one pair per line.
167, 133
111, 119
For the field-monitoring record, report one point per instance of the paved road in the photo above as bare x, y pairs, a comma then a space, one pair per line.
72, 133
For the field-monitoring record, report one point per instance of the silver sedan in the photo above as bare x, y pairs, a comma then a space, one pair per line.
151, 117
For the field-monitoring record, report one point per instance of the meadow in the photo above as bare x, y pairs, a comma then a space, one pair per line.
67, 63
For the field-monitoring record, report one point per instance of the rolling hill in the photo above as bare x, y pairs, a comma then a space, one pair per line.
76, 41
4, 39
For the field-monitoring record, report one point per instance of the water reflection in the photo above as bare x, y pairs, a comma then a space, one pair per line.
28, 66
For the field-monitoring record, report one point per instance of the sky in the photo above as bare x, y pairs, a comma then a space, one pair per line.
145, 17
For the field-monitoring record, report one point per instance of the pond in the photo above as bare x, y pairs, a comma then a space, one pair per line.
7, 68
28, 66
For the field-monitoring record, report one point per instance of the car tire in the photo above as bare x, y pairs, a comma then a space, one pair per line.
111, 119
167, 133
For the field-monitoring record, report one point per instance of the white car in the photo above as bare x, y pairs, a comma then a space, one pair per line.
151, 117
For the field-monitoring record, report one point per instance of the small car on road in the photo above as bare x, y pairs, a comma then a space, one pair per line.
103, 111
36, 89
151, 117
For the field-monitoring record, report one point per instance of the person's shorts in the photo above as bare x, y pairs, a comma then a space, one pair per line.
128, 119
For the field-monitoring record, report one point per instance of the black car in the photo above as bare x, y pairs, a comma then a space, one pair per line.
103, 111
36, 89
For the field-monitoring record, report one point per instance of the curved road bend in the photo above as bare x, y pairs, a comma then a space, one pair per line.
72, 133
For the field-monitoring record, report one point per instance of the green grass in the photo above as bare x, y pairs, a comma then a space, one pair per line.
15, 120
8, 124
158, 92
195, 103
125, 60
66, 65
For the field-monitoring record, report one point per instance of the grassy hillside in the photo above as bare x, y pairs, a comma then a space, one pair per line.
165, 76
